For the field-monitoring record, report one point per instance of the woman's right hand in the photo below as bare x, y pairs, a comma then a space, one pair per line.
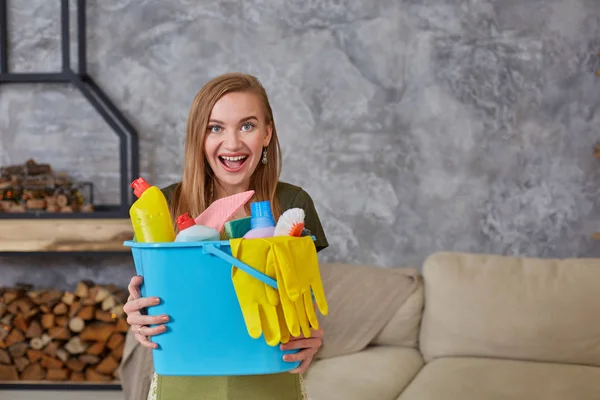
139, 322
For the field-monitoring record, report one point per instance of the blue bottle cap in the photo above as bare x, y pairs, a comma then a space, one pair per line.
262, 217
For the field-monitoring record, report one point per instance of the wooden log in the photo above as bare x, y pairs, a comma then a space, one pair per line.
15, 336
7, 319
60, 309
68, 298
115, 340
107, 365
117, 311
57, 374
48, 320
60, 333
118, 351
49, 298
75, 345
62, 355
61, 321
4, 357
12, 294
97, 332
3, 309
101, 294
96, 349
8, 373
25, 305
75, 365
21, 363
13, 309
89, 359
51, 362
74, 309
82, 289
93, 376
4, 331
34, 355
2, 344
122, 325
77, 377
33, 372
20, 323
76, 324
86, 313
104, 316
51, 348
35, 330
109, 303
18, 349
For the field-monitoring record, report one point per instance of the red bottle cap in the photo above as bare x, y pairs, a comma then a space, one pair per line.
139, 186
184, 221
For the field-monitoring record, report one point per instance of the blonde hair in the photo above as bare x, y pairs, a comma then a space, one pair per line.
196, 190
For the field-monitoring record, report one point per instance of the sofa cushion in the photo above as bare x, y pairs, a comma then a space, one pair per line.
375, 373
403, 327
361, 301
509, 307
495, 379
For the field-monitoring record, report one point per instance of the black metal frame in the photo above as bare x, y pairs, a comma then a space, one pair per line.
128, 137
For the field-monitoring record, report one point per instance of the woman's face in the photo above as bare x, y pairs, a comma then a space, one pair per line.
236, 134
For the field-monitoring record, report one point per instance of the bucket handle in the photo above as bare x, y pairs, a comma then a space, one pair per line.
212, 249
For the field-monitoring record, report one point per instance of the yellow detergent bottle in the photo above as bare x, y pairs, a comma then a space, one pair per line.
150, 214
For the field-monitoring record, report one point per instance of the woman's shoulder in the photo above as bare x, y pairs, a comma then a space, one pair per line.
289, 194
168, 191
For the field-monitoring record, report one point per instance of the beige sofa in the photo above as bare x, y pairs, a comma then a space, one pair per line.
474, 327
471, 327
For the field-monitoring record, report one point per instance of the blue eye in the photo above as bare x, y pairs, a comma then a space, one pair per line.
247, 127
214, 129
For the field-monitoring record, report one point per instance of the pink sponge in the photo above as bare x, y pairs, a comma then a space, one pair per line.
222, 210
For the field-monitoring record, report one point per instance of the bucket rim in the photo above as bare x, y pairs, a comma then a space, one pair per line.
216, 243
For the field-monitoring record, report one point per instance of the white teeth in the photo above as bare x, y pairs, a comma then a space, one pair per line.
237, 158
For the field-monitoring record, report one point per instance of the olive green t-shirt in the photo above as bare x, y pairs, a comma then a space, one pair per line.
283, 386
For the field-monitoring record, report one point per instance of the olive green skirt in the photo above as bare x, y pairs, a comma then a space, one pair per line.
284, 386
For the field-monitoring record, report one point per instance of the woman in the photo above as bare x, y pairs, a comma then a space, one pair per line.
231, 147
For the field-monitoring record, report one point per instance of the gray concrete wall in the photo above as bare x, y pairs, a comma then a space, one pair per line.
415, 125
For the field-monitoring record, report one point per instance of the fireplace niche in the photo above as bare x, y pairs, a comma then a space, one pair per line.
51, 338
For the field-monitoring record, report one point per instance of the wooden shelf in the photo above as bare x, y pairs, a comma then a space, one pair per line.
60, 385
64, 235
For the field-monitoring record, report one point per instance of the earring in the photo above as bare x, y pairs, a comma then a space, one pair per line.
264, 156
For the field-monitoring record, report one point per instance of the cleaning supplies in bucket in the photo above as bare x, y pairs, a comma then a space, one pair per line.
221, 210
189, 231
262, 223
237, 228
150, 214
291, 223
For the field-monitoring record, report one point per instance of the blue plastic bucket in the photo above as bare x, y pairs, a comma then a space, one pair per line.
206, 334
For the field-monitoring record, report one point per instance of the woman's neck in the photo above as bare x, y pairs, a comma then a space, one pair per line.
223, 191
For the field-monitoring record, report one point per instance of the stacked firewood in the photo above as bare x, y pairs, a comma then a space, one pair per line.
62, 336
35, 187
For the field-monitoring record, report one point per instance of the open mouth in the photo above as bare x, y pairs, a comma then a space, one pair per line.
233, 163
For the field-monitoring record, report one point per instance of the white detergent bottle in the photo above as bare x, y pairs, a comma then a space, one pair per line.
189, 231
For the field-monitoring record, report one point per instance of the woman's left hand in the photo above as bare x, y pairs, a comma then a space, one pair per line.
309, 348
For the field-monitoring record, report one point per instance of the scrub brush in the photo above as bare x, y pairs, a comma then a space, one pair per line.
290, 223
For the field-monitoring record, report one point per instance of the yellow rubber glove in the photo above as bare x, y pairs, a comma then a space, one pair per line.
297, 274
258, 301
